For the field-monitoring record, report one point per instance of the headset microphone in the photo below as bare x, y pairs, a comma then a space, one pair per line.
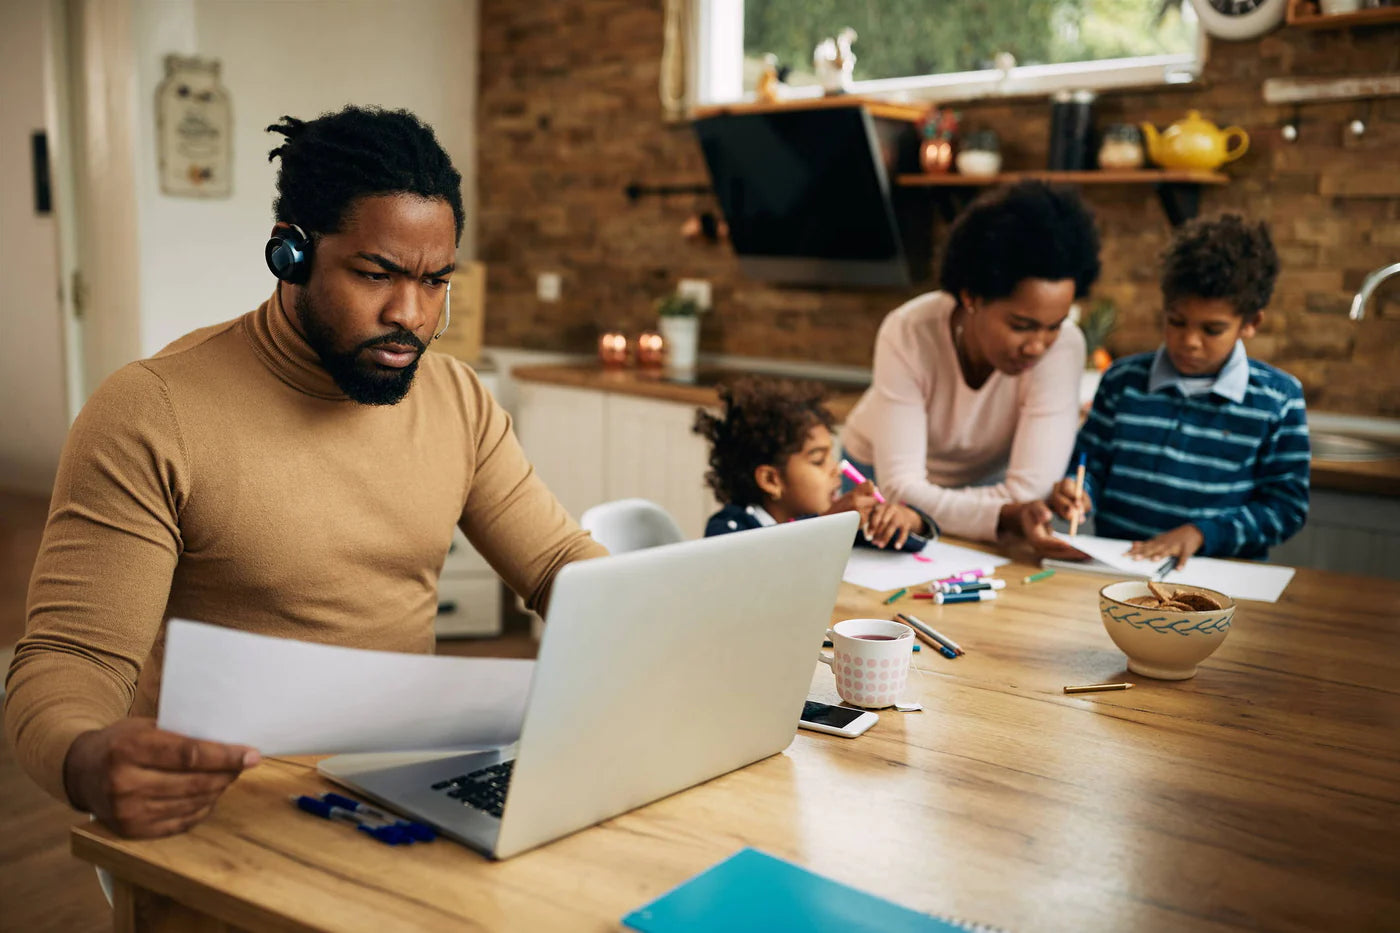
447, 313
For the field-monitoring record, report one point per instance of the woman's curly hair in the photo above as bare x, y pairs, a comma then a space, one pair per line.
1029, 230
764, 421
1222, 258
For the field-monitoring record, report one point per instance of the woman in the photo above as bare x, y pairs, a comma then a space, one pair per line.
972, 412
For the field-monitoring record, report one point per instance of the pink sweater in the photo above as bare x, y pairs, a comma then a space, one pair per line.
930, 436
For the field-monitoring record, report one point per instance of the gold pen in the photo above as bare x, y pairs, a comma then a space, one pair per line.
1090, 688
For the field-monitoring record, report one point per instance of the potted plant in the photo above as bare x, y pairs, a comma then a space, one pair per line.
680, 330
1097, 324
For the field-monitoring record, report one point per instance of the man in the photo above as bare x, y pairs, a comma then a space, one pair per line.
297, 471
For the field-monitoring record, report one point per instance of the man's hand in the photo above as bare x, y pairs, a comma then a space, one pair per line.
891, 524
1065, 503
1035, 525
860, 499
143, 782
1180, 543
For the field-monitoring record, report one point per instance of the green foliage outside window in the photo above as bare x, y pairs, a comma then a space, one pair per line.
904, 38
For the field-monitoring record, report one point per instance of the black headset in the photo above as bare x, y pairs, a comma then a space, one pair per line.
289, 255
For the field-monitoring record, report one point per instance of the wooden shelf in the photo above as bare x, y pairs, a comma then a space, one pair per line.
878, 108
1305, 14
1096, 177
1179, 190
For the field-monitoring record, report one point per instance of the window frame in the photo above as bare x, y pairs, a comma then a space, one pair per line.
717, 56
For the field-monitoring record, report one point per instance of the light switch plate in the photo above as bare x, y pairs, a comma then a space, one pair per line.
696, 289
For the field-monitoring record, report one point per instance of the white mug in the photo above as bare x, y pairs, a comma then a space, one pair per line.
871, 662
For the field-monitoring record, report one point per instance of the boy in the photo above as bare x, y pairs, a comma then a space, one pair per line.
1196, 448
773, 459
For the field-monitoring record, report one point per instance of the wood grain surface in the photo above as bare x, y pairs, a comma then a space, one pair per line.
1262, 794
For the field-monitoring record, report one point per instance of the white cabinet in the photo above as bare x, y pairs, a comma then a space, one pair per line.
651, 452
562, 431
591, 447
469, 594
1348, 532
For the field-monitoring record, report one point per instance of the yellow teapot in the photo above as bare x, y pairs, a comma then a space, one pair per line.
1193, 142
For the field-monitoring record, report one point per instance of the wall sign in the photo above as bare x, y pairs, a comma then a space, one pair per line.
194, 129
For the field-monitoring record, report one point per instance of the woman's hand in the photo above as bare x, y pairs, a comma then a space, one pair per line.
892, 524
1035, 525
1065, 502
1180, 543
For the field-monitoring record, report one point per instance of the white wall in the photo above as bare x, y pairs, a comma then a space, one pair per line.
201, 259
33, 418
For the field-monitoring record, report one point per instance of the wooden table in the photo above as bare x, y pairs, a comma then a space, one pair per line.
1262, 794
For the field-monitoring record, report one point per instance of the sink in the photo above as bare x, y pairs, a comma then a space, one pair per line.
1333, 445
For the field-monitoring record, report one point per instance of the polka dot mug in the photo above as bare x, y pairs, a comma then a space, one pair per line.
871, 662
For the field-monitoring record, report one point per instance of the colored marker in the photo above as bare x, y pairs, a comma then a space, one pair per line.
971, 587
1039, 576
946, 598
898, 593
856, 477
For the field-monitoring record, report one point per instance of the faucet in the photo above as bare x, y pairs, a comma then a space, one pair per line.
1358, 303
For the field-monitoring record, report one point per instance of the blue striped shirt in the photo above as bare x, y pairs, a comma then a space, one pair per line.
1233, 461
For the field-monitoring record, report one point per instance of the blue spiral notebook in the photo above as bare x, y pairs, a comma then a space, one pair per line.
753, 892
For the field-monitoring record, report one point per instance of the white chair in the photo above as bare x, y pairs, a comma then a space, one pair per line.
630, 525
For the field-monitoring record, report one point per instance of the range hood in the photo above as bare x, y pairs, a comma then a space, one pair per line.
808, 198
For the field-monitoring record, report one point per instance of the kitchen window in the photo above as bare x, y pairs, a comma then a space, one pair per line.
948, 50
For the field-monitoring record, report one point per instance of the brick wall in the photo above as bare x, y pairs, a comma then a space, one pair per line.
570, 115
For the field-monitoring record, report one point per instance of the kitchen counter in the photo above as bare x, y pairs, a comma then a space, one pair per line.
1376, 477
841, 396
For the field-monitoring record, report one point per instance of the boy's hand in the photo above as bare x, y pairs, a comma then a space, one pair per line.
1180, 543
144, 782
892, 524
1065, 503
1035, 525
860, 499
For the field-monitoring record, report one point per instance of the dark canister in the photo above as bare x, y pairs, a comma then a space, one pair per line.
1071, 131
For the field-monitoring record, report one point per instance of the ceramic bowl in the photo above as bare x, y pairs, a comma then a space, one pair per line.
1163, 643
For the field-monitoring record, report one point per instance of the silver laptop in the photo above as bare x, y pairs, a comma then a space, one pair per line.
659, 669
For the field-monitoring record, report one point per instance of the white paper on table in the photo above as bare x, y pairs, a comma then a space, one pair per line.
1236, 578
287, 697
890, 570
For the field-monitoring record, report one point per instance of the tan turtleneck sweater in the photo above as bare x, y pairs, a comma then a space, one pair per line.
228, 480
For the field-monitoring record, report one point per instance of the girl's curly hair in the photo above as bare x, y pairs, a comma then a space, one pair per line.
764, 421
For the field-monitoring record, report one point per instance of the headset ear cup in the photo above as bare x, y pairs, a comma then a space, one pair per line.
288, 255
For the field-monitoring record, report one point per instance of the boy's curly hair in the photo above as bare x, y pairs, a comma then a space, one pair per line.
1225, 257
764, 421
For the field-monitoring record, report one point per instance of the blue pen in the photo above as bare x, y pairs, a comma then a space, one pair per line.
389, 835
421, 832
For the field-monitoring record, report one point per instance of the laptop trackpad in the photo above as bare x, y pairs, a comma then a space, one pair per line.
410, 783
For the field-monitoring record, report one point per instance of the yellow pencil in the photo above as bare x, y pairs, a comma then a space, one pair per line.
1089, 688
1078, 494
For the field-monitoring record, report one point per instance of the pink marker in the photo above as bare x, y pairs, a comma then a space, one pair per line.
854, 475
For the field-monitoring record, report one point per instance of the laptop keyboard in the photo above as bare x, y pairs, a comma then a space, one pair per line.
484, 789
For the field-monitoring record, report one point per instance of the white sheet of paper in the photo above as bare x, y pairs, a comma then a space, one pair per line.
287, 697
889, 570
1236, 578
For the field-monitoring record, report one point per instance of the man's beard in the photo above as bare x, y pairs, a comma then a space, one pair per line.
360, 379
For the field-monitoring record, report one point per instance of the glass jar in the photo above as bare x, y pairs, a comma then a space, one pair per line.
1121, 147
980, 154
